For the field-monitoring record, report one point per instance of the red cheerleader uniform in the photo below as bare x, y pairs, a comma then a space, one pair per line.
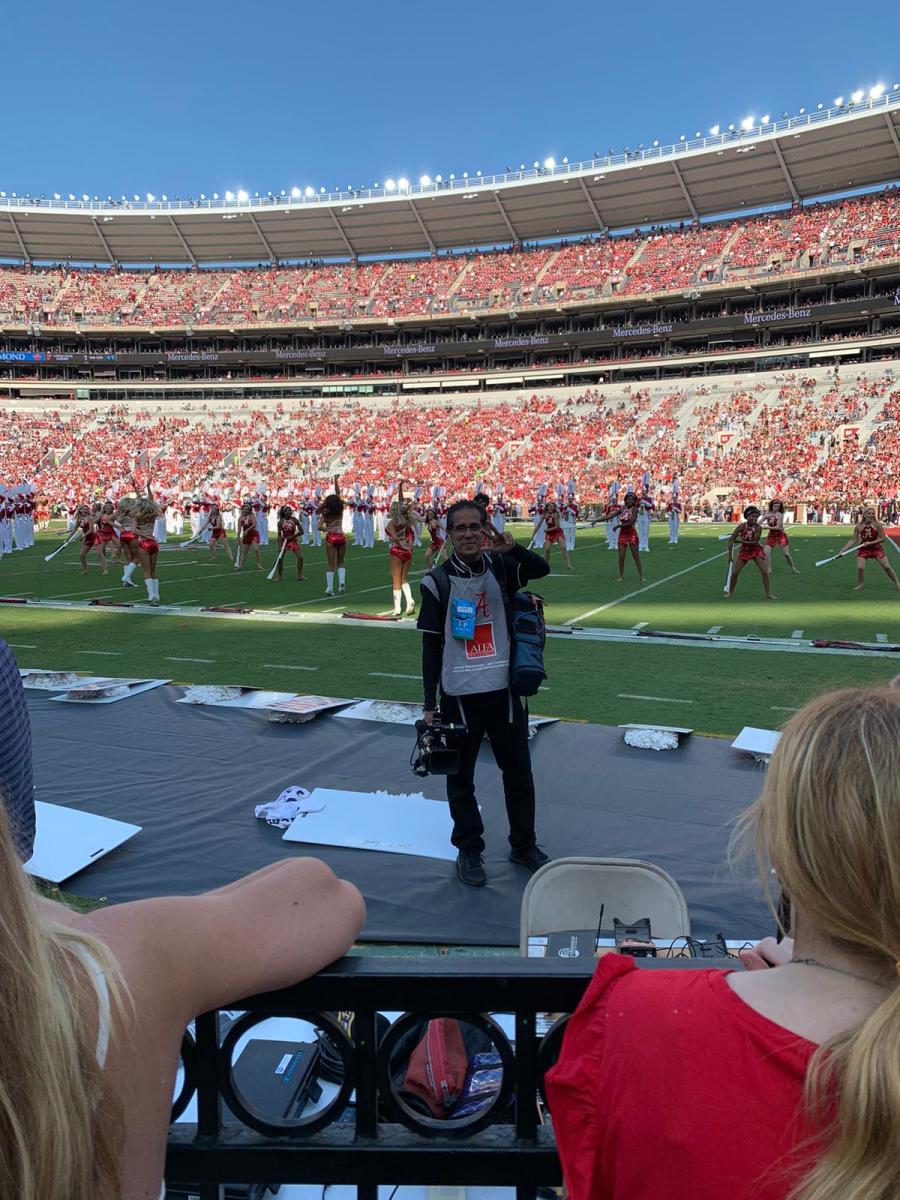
750, 549
249, 532
628, 535
775, 536
218, 533
335, 538
874, 549
289, 531
89, 536
106, 532
554, 535
402, 552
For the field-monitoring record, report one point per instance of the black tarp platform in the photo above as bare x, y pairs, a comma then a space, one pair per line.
191, 776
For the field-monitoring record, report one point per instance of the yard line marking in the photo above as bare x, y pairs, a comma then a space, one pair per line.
640, 625
881, 637
798, 633
20, 646
660, 699
714, 629
775, 708
105, 653
391, 675
382, 587
289, 667
649, 587
171, 658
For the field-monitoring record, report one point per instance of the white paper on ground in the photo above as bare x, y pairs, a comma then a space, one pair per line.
67, 840
43, 680
307, 705
392, 712
377, 821
133, 687
756, 741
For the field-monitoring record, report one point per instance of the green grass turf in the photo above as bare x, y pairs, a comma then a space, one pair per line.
727, 688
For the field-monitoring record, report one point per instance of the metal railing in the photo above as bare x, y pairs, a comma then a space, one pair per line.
466, 182
387, 1142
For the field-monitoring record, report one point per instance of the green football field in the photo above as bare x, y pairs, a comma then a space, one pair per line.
605, 669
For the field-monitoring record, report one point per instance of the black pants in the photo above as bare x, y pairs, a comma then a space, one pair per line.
489, 713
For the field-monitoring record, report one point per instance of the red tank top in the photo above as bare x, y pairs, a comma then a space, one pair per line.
289, 529
868, 533
670, 1087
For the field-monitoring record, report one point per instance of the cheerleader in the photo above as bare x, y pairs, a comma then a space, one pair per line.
438, 540
146, 513
288, 529
331, 523
626, 525
249, 537
554, 534
776, 535
400, 532
869, 534
106, 531
218, 534
85, 522
128, 538
748, 535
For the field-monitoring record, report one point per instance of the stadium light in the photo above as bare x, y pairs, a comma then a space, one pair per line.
242, 195
403, 184
425, 181
521, 166
215, 195
56, 196
655, 142
321, 191
566, 161
165, 199
229, 196
876, 92
438, 179
857, 96
820, 106
84, 196
295, 192
839, 100
802, 112
698, 134
150, 197
203, 195
731, 128
478, 174
309, 190
747, 123
714, 131
764, 120
549, 163
390, 185
465, 174
452, 177
536, 165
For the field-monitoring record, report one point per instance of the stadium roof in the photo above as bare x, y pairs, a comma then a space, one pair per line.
795, 159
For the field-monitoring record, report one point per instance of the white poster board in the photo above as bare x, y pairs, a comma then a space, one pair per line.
226, 697
106, 691
760, 742
66, 840
377, 821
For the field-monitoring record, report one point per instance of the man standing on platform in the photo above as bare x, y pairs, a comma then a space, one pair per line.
466, 653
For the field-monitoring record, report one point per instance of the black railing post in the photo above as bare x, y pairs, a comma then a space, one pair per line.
209, 1099
365, 1042
526, 1074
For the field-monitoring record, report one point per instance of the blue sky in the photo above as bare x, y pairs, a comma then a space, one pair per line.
195, 96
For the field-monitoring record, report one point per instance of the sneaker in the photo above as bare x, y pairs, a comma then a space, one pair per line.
470, 869
329, 592
153, 603
128, 583
410, 609
533, 858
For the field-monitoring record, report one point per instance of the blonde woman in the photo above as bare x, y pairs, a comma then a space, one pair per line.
146, 513
870, 535
95, 1005
799, 1063
400, 532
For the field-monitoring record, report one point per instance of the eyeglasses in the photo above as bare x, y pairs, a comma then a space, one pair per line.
467, 528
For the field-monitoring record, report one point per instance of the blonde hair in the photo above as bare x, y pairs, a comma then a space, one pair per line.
829, 820
60, 1125
146, 510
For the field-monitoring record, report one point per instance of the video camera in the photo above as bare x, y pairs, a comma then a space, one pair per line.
433, 753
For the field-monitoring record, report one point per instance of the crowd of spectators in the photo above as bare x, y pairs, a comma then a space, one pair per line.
658, 261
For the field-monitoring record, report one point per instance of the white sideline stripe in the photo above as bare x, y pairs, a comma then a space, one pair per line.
798, 633
775, 708
21, 646
105, 653
649, 588
640, 625
660, 699
391, 675
382, 587
881, 637
714, 629
123, 591
172, 658
289, 667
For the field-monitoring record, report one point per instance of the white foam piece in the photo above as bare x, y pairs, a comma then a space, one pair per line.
401, 824
68, 840
106, 691
299, 709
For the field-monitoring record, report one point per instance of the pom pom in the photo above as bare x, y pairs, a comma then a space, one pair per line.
651, 739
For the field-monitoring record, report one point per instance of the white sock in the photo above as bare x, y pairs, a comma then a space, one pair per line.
407, 595
155, 589
128, 570
149, 583
342, 576
329, 581
397, 602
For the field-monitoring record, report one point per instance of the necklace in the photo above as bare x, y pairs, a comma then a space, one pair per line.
814, 962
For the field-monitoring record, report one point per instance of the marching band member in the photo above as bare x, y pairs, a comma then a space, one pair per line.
748, 535
569, 516
673, 513
870, 535
610, 513
331, 523
160, 533
262, 507
401, 531
646, 509
776, 535
501, 508
536, 512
